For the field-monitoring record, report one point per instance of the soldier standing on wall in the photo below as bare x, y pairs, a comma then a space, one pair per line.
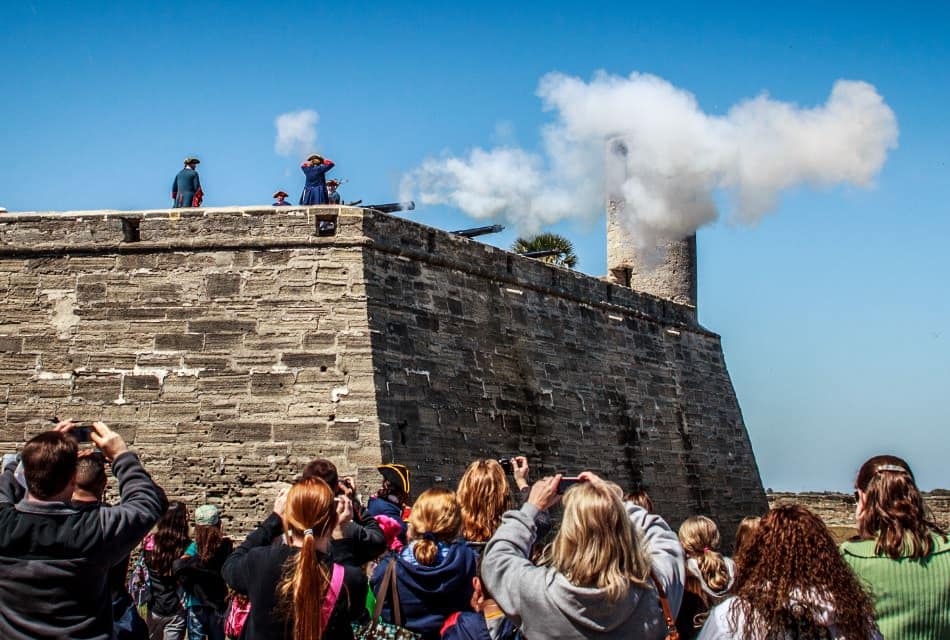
315, 189
186, 188
333, 193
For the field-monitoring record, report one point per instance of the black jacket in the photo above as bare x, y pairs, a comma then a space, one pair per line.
55, 557
363, 540
204, 581
255, 570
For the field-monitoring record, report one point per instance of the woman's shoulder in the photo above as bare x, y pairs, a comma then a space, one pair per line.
856, 549
719, 624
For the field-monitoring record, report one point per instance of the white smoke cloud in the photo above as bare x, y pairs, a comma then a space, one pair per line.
678, 157
296, 132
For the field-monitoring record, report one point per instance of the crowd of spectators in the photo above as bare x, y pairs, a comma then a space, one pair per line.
556, 558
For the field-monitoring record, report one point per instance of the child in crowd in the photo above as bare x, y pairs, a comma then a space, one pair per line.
709, 574
199, 573
486, 620
392, 499
434, 571
166, 616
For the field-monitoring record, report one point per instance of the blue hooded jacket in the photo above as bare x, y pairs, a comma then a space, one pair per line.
429, 594
472, 626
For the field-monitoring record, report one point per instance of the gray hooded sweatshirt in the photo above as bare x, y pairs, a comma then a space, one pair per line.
546, 605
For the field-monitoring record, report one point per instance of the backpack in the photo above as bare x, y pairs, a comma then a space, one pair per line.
238, 610
140, 586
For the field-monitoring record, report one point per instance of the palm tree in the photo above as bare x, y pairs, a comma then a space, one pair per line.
565, 256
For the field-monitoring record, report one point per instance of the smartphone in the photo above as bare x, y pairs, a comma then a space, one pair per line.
81, 432
567, 483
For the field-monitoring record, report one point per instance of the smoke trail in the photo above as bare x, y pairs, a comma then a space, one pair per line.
296, 132
677, 156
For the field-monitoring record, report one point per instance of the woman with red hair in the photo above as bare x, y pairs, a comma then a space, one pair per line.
792, 582
296, 591
900, 552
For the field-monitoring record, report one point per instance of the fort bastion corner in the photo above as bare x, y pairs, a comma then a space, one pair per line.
232, 345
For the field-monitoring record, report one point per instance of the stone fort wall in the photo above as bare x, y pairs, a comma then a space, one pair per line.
230, 346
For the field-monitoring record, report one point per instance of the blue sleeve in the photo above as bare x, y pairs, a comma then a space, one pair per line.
174, 186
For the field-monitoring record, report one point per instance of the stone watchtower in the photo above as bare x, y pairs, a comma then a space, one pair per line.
667, 271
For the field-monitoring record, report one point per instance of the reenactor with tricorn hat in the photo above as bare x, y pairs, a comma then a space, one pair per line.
315, 188
186, 188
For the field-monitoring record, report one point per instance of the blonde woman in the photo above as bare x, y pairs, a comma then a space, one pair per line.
483, 497
709, 574
594, 579
434, 571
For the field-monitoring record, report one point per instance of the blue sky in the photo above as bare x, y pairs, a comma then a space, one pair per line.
834, 309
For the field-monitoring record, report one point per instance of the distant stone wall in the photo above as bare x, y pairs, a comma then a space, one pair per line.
837, 509
230, 346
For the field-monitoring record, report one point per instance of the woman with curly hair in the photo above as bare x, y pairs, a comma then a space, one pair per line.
166, 616
709, 574
795, 584
483, 497
900, 552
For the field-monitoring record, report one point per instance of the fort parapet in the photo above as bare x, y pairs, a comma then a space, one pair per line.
230, 346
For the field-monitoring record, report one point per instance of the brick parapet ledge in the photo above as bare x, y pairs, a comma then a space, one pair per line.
31, 234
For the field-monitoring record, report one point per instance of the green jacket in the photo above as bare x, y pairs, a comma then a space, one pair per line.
911, 597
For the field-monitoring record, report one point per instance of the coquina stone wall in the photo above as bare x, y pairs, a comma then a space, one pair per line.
230, 346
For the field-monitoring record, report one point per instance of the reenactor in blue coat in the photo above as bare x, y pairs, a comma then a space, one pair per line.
315, 189
186, 189
281, 199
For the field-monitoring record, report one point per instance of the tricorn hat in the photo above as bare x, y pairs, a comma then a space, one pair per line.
279, 194
335, 183
314, 156
397, 475
192, 160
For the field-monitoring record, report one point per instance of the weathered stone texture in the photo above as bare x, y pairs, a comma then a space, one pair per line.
231, 346
478, 354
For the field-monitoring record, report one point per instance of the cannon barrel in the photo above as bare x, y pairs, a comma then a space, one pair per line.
392, 207
541, 253
479, 231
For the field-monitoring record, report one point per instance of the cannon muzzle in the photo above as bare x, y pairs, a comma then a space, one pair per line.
392, 207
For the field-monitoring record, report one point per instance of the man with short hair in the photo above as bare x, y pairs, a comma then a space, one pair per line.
91, 478
55, 555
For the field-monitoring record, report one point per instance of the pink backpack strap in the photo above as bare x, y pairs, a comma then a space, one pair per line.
329, 601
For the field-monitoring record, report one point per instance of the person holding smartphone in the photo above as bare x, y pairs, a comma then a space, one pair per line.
57, 554
601, 576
